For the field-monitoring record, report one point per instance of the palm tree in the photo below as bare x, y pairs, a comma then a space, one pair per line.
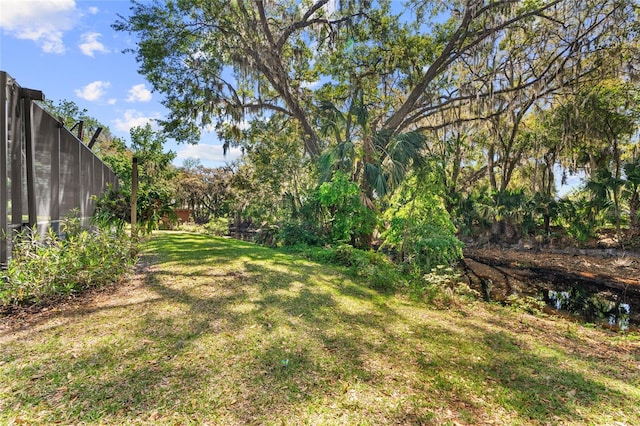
376, 159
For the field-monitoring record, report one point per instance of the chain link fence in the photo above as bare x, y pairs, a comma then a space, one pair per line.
46, 172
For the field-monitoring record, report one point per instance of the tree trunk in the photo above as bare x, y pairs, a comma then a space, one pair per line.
365, 240
490, 168
616, 189
634, 221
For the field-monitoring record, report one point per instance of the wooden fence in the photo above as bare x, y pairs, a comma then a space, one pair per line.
46, 172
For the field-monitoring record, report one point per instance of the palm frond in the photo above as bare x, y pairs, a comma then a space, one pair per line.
375, 176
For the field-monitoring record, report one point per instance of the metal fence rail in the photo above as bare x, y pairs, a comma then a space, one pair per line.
45, 171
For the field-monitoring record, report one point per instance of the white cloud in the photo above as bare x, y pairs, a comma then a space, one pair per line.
132, 118
139, 93
90, 44
93, 10
43, 21
112, 101
206, 152
93, 91
310, 84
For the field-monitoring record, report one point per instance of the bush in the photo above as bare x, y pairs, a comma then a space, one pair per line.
577, 219
350, 218
292, 233
374, 268
47, 266
218, 226
420, 231
443, 288
114, 207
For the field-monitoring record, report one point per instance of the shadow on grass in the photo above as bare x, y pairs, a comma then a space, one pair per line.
242, 334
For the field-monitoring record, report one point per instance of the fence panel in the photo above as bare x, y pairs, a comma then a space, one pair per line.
46, 173
69, 174
46, 143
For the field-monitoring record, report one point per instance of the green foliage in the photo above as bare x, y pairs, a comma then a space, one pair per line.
472, 211
631, 193
217, 226
509, 214
153, 206
207, 191
305, 232
49, 266
528, 304
576, 218
374, 87
375, 269
155, 173
420, 229
441, 287
349, 217
512, 205
113, 207
304, 221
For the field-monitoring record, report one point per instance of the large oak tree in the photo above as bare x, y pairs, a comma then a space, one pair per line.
219, 61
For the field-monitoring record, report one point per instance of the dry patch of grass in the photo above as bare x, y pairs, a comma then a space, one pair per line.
218, 331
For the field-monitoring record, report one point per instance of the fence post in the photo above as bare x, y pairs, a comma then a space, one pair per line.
30, 165
4, 199
134, 197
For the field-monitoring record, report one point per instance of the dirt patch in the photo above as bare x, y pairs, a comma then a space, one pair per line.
19, 317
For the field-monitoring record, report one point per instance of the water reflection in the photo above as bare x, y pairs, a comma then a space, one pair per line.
593, 307
559, 298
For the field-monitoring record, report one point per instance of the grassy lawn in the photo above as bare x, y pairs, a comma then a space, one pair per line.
218, 331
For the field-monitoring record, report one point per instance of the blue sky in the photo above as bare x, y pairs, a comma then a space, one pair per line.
68, 50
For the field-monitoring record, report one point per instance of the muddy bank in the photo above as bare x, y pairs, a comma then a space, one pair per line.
603, 282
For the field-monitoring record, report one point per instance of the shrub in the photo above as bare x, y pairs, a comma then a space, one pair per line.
420, 230
443, 288
576, 218
292, 233
528, 304
372, 267
46, 266
218, 226
114, 207
350, 218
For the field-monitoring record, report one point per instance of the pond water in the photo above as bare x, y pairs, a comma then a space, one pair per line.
592, 307
584, 300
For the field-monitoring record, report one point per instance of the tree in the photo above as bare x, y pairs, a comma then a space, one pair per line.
155, 164
217, 61
598, 121
367, 83
420, 229
207, 191
155, 174
70, 114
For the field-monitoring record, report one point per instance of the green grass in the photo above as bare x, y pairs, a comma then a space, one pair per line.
219, 331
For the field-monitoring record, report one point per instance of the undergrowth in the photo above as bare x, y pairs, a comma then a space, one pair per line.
44, 266
439, 287
374, 268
